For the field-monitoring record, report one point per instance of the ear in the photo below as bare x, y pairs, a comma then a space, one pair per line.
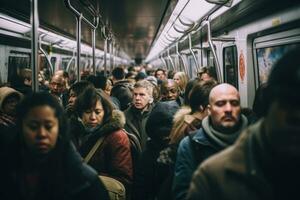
209, 109
151, 100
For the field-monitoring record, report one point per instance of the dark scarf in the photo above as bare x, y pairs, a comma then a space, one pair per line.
223, 140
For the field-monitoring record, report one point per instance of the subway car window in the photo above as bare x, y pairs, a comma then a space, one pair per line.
230, 65
210, 59
192, 65
267, 57
16, 62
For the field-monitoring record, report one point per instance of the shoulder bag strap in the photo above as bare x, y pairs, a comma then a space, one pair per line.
93, 150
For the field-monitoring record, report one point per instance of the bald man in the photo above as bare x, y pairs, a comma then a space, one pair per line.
220, 129
58, 89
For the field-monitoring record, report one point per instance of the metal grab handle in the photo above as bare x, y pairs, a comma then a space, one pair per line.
180, 58
80, 17
172, 63
78, 14
45, 54
218, 67
69, 63
192, 52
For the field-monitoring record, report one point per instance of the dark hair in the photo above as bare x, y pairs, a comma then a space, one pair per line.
79, 87
43, 99
208, 70
284, 79
140, 76
118, 73
99, 81
189, 86
171, 74
52, 177
200, 93
259, 104
159, 69
89, 98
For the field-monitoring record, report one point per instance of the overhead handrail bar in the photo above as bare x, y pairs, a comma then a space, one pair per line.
169, 36
45, 54
79, 17
185, 23
77, 13
178, 30
178, 15
192, 52
34, 43
172, 63
223, 39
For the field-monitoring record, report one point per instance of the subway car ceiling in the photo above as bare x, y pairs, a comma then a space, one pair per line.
133, 24
141, 30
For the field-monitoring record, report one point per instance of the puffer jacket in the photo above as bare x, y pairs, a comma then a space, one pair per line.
113, 157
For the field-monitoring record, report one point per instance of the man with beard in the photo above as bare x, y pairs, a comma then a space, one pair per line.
219, 129
264, 163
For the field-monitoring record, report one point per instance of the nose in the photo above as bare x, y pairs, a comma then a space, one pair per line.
42, 132
93, 115
228, 107
71, 100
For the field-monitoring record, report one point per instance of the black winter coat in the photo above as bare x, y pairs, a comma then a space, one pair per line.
76, 181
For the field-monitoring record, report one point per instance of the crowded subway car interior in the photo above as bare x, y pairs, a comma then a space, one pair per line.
149, 99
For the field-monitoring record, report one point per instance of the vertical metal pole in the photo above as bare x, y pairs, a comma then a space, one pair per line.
105, 54
218, 67
94, 47
172, 64
34, 18
78, 39
192, 52
111, 55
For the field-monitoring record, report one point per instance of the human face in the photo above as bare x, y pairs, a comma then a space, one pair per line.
176, 79
57, 85
94, 116
40, 129
205, 77
283, 128
160, 75
141, 98
169, 92
9, 105
224, 106
72, 98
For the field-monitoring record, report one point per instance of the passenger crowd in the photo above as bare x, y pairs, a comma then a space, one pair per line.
161, 135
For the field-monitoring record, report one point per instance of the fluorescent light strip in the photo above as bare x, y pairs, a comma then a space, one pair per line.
17, 28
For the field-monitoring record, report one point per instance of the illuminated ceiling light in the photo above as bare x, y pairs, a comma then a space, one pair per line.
14, 25
186, 11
